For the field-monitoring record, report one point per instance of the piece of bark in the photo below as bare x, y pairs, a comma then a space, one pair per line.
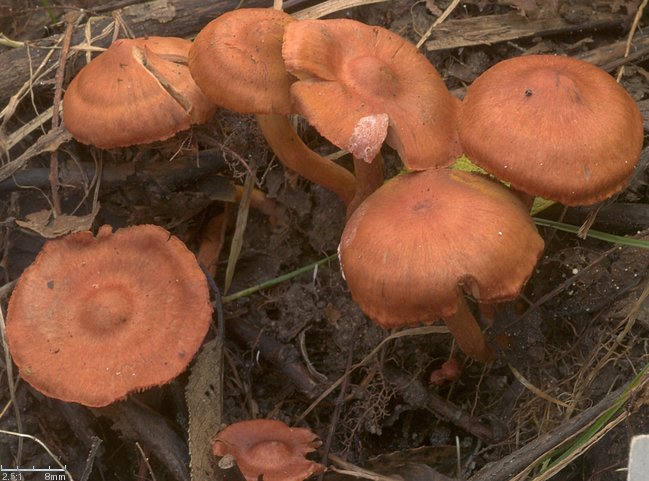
204, 396
490, 29
177, 18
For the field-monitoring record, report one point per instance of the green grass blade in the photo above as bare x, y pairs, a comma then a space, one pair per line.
595, 234
277, 280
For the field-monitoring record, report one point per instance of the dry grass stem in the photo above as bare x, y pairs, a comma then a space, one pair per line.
538, 392
44, 446
331, 6
415, 331
354, 471
629, 40
453, 5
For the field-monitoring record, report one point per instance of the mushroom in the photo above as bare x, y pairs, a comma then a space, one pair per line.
414, 247
269, 449
552, 126
136, 92
236, 60
359, 85
94, 318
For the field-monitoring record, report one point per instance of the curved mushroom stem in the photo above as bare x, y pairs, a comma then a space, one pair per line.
467, 333
295, 155
369, 177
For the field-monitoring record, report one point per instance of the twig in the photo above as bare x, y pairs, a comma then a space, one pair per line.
415, 331
437, 21
56, 121
350, 469
284, 356
12, 386
90, 460
437, 405
146, 460
229, 469
338, 407
629, 40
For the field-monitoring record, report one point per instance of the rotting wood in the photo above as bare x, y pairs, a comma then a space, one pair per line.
179, 18
491, 29
613, 53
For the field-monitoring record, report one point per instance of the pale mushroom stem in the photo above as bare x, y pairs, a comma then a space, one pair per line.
369, 177
467, 333
295, 155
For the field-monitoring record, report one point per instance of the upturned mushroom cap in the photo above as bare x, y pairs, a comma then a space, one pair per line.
269, 448
411, 248
136, 92
237, 61
553, 126
360, 85
94, 318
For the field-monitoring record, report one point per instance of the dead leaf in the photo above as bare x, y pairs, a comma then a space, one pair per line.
49, 227
45, 143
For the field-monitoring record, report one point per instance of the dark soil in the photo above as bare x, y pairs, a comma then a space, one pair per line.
578, 332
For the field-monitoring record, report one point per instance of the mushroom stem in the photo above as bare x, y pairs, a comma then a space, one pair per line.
369, 177
467, 332
295, 155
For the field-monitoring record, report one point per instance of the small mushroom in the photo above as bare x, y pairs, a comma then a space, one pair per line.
136, 92
269, 450
236, 60
552, 126
94, 318
412, 250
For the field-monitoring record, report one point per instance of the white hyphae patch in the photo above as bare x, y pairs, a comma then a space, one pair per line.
368, 136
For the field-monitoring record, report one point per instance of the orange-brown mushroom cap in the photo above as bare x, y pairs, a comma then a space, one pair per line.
269, 448
552, 126
237, 61
94, 318
136, 92
414, 244
359, 84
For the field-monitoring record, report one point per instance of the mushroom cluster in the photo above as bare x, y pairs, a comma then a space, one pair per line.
548, 125
524, 121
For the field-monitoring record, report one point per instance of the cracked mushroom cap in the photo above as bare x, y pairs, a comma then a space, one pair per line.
413, 245
94, 318
237, 61
138, 91
552, 126
359, 85
269, 448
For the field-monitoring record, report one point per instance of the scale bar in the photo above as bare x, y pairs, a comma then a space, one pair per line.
31, 470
